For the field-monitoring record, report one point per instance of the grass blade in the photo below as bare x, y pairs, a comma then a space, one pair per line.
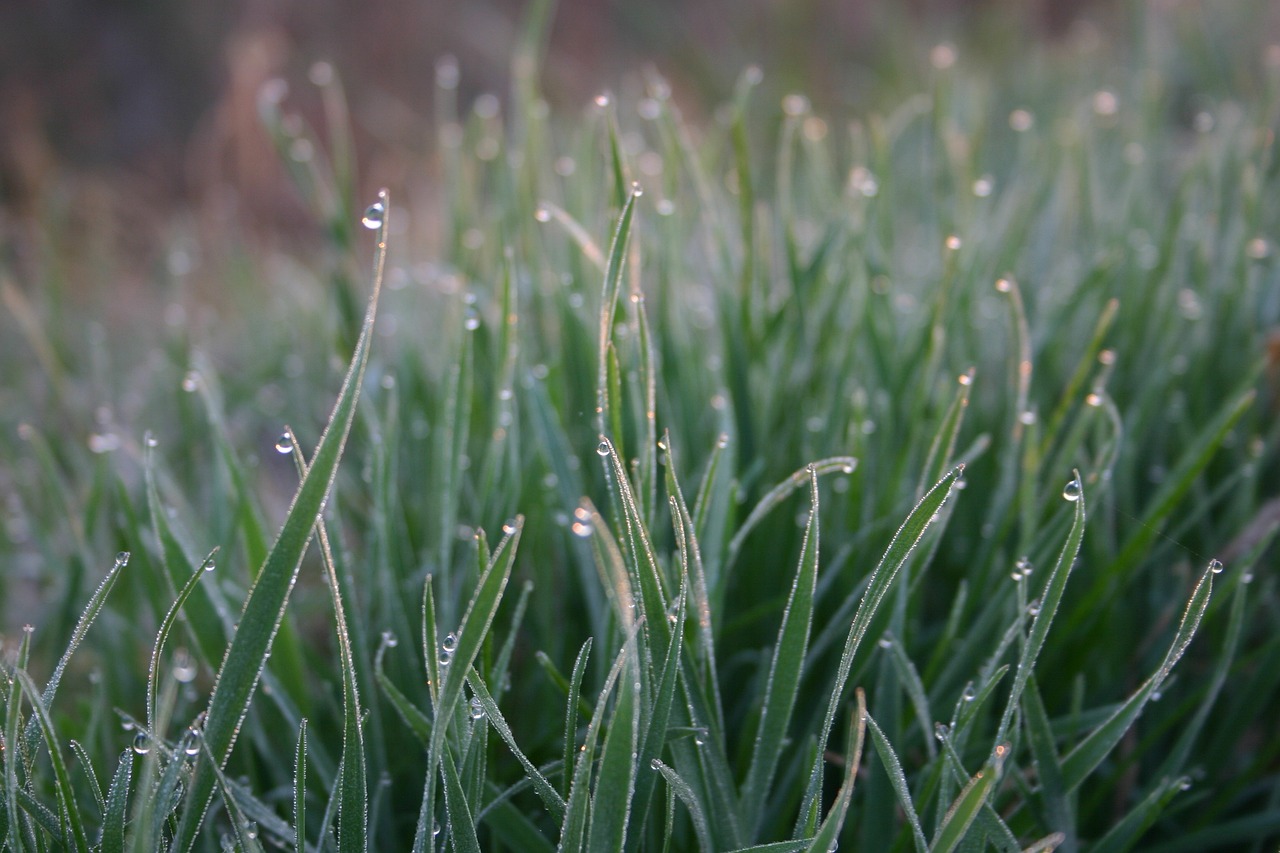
117, 805
300, 788
827, 836
246, 655
69, 811
970, 802
898, 779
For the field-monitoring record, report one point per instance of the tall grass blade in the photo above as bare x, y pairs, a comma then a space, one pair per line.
113, 818
826, 839
68, 810
247, 653
493, 716
166, 625
609, 306
898, 779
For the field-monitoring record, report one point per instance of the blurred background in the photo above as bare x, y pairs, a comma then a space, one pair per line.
134, 106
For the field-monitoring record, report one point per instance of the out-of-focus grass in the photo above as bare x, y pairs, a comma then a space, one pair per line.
778, 480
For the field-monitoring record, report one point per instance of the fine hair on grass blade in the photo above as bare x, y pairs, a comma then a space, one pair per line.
900, 547
826, 839
264, 608
898, 779
786, 669
117, 808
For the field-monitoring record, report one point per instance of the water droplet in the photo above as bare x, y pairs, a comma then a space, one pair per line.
943, 56
954, 243
445, 658
450, 642
602, 100
389, 639
1215, 566
655, 763
965, 379
542, 213
122, 559
284, 444
250, 830
885, 643
374, 215
184, 667
1027, 418
1024, 566
191, 742
941, 731
141, 743
1033, 609
1157, 696
1184, 784
603, 448
581, 530
435, 828
1105, 103
1021, 120
636, 191
1071, 491
150, 440
969, 693
983, 186
509, 526
1247, 577
471, 319
477, 709
1003, 285
1093, 400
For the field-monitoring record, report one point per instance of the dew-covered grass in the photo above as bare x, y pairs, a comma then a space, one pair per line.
901, 479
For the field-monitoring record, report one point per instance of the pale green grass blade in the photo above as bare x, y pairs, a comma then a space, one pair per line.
414, 719
91, 611
578, 805
1071, 391
826, 839
550, 797
300, 788
968, 805
95, 786
609, 306
775, 496
1090, 752
44, 818
660, 706
786, 668
943, 447
900, 548
909, 676
247, 653
113, 817
898, 779
571, 711
616, 777
12, 758
462, 828
691, 802
1049, 602
548, 211
69, 811
777, 847
166, 625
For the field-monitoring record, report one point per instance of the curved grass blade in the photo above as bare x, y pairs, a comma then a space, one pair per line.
827, 836
550, 797
69, 811
113, 817
166, 625
571, 710
775, 496
1049, 602
687, 796
900, 548
1129, 829
893, 767
968, 804
1090, 752
786, 669
95, 787
609, 305
413, 718
263, 610
943, 447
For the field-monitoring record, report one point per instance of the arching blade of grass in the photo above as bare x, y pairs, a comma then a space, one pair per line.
1090, 752
69, 810
413, 718
571, 711
1129, 829
900, 548
943, 447
1049, 602
91, 775
829, 832
163, 634
786, 669
609, 306
775, 496
264, 608
689, 797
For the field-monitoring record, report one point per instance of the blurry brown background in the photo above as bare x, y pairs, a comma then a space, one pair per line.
119, 110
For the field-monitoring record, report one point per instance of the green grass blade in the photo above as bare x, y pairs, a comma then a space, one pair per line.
968, 804
826, 839
1053, 789
609, 306
943, 447
898, 779
414, 719
166, 625
550, 797
571, 710
689, 797
616, 778
113, 818
775, 496
1129, 829
95, 786
900, 547
786, 669
462, 828
247, 653
69, 810
300, 788
1049, 602
1090, 752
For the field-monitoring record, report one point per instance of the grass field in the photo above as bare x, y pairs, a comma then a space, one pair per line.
773, 480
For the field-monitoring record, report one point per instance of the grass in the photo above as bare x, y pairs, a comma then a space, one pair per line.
765, 483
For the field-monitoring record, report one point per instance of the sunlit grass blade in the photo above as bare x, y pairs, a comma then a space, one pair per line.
1090, 752
246, 655
829, 832
1048, 608
69, 810
786, 668
900, 548
898, 779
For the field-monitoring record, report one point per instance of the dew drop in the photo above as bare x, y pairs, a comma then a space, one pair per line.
141, 743
1184, 784
581, 530
210, 565
603, 448
954, 243
389, 639
191, 743
655, 763
477, 709
885, 643
969, 693
284, 444
450, 643
435, 828
1003, 285
250, 830
941, 731
374, 215
542, 213
602, 100
636, 190
509, 526
1024, 566
1093, 400
445, 658
1215, 566
1071, 491
122, 559
184, 668
190, 381
1033, 609
471, 319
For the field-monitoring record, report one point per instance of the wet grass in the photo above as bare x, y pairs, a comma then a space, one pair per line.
768, 482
